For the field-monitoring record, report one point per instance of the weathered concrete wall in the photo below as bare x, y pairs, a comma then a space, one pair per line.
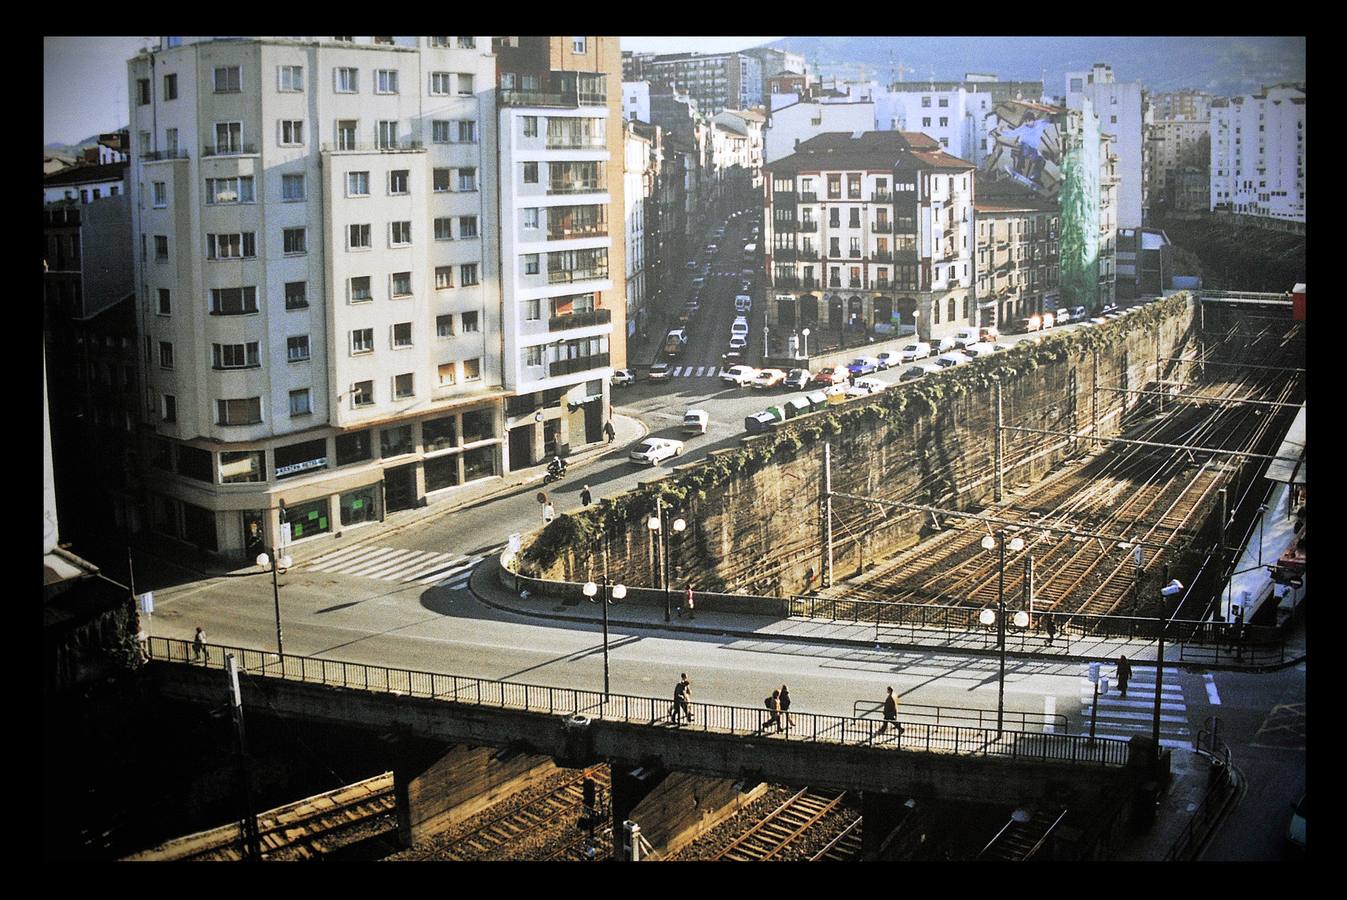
683, 807
753, 511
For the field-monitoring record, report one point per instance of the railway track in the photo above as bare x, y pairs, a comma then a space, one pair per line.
547, 811
846, 847
783, 826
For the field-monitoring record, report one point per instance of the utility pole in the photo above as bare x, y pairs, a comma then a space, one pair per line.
252, 846
999, 447
827, 516
1094, 396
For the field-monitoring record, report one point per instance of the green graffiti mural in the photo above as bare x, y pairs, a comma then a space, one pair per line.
1080, 213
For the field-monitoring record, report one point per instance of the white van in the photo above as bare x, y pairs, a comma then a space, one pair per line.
743, 303
965, 336
914, 351
740, 327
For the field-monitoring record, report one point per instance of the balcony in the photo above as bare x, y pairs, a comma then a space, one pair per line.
881, 256
576, 142
854, 253
565, 276
786, 281
579, 364
881, 197
882, 227
403, 146
156, 155
583, 231
854, 282
785, 254
784, 196
580, 320
854, 195
231, 150
808, 226
576, 187
785, 226
808, 197
565, 99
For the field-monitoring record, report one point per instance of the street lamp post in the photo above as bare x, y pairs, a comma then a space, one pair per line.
619, 591
804, 333
656, 524
1021, 617
275, 562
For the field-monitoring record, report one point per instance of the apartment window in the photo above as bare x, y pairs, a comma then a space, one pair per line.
577, 45
362, 393
854, 220
467, 274
161, 248
385, 81
467, 179
951, 310
346, 130
228, 80
533, 310
925, 102
855, 247
170, 144
296, 295
834, 217
853, 187
291, 79
357, 237
169, 408
171, 87
467, 226
402, 334
534, 356
472, 369
233, 301
399, 234
165, 306
231, 246
439, 180
467, 132
388, 134
834, 187
297, 348
944, 121
439, 42
446, 374
301, 402
531, 264
142, 91
531, 217
360, 289
530, 126
465, 85
292, 132
235, 356
294, 240
239, 412
440, 131
397, 181
357, 184
402, 284
345, 80
362, 340
444, 228
292, 187
469, 322
403, 386
530, 173
160, 191
944, 142
926, 122
444, 277
165, 355
467, 43
440, 83
228, 137
444, 326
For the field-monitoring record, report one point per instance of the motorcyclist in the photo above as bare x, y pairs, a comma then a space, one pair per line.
557, 466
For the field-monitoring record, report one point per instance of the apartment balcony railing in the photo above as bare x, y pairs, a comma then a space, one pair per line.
881, 256
882, 227
231, 150
784, 196
785, 226
854, 195
808, 197
881, 197
576, 187
579, 364
562, 276
785, 254
854, 282
402, 146
155, 155
785, 281
580, 320
566, 234
564, 99
853, 254
580, 142
808, 226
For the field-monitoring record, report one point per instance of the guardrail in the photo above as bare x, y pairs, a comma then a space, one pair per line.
940, 715
650, 711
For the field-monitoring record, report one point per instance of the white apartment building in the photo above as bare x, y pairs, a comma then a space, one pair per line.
637, 185
797, 122
320, 310
1258, 153
1123, 115
871, 232
956, 119
636, 101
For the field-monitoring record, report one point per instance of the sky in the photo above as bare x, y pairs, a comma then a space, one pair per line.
84, 78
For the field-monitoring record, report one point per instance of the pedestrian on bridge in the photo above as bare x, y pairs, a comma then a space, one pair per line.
1124, 673
785, 705
586, 497
890, 713
773, 703
682, 693
1050, 627
199, 650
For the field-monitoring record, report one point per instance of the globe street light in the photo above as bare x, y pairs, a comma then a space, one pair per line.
282, 563
619, 591
804, 333
1021, 617
657, 530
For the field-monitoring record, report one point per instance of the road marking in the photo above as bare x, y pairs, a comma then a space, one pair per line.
701, 370
356, 561
678, 370
1212, 695
370, 566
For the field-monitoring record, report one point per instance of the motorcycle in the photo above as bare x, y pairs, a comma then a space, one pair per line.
554, 473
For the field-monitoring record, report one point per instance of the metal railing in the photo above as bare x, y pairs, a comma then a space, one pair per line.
881, 197
651, 711
579, 364
561, 276
155, 155
232, 150
808, 197
377, 147
882, 227
1057, 723
576, 187
582, 319
576, 142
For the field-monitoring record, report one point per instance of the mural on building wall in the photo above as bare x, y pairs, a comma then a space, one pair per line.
1080, 212
1025, 146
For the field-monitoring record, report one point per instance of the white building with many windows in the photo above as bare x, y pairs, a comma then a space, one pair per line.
1124, 116
1258, 153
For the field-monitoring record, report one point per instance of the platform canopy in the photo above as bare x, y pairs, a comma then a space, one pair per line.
1293, 447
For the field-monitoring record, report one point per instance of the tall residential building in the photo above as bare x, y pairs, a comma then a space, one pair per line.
1176, 145
1186, 105
716, 80
1258, 153
638, 186
871, 233
1123, 115
1018, 261
319, 258
791, 125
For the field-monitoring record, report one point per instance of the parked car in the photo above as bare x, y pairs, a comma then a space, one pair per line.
1077, 313
965, 336
944, 345
653, 450
863, 365
829, 375
973, 351
867, 386
738, 343
769, 378
739, 326
918, 371
798, 379
914, 351
695, 421
623, 378
887, 359
739, 375
1062, 316
743, 303
658, 372
988, 333
949, 360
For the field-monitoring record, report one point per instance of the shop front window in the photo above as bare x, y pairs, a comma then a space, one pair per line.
353, 448
308, 519
438, 434
195, 463
395, 441
478, 425
360, 505
441, 472
479, 463
297, 459
243, 465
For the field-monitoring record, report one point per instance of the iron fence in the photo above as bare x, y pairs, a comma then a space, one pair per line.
926, 737
984, 718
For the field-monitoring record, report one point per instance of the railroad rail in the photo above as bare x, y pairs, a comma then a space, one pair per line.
782, 826
545, 812
846, 847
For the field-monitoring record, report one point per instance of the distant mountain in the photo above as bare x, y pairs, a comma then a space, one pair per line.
1221, 66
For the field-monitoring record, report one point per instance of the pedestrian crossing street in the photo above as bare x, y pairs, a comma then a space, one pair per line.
695, 372
1122, 717
402, 565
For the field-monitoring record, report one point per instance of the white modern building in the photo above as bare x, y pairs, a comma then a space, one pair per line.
636, 101
1258, 153
795, 123
1123, 115
637, 186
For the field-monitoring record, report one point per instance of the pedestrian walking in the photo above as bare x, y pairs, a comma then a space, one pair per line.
773, 704
143, 644
682, 694
688, 604
586, 497
1050, 626
609, 430
199, 650
549, 512
1124, 672
785, 705
890, 713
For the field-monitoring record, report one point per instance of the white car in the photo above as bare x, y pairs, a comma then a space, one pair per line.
652, 450
914, 351
944, 345
738, 343
949, 360
739, 326
769, 378
739, 375
659, 372
866, 386
743, 303
623, 378
965, 336
695, 421
982, 348
919, 371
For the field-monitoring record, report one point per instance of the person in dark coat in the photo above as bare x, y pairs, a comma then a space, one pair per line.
199, 650
785, 705
586, 497
1050, 627
609, 430
774, 717
890, 713
682, 693
1124, 673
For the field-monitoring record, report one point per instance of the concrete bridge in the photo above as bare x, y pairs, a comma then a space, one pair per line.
460, 744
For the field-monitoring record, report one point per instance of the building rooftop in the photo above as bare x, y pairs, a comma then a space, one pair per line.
86, 174
834, 150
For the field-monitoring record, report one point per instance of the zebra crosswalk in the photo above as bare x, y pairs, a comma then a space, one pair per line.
695, 372
402, 565
1122, 717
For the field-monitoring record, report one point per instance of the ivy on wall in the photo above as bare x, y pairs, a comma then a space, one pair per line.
906, 404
